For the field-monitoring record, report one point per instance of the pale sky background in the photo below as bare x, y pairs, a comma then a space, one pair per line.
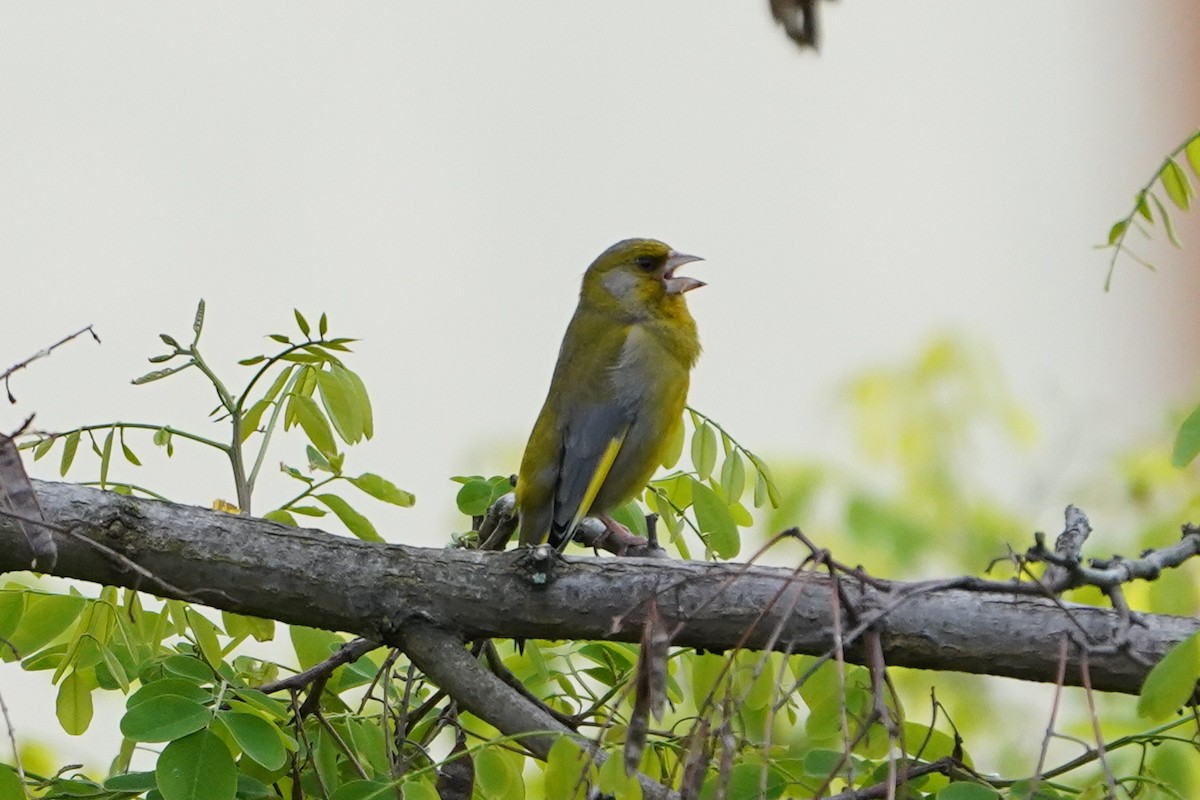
437, 178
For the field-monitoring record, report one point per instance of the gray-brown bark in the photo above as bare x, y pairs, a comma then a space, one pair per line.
308, 577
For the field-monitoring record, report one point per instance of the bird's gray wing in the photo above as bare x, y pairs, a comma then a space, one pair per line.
591, 439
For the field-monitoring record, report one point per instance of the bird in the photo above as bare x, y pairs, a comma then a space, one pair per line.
616, 397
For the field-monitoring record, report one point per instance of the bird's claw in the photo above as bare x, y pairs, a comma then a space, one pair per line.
617, 538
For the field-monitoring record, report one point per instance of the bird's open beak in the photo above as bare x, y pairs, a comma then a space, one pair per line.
681, 284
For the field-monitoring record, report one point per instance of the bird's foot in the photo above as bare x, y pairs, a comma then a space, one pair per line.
617, 538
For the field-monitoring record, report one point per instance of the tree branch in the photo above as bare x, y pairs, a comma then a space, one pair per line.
307, 577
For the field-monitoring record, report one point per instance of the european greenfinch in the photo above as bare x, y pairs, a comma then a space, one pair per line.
616, 397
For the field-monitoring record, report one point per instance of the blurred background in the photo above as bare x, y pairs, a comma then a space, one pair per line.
437, 179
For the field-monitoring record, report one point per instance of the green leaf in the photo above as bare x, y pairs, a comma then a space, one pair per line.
49, 658
12, 606
268, 705
357, 524
1143, 208
189, 667
316, 461
281, 516
963, 790
301, 321
733, 477
704, 450
768, 482
565, 763
114, 667
196, 767
205, 634
498, 772
1171, 681
74, 704
10, 783
382, 489
675, 448
130, 782
315, 426
68, 455
259, 739
760, 489
250, 362
821, 763
164, 718
45, 618
129, 454
252, 417
313, 645
279, 337
1192, 151
337, 395
178, 687
323, 325
419, 789
713, 518
1176, 183
308, 511
240, 625
745, 780
106, 458
1117, 230
43, 447
1187, 440
162, 438
473, 498
364, 399
169, 341
278, 384
1166, 220
613, 781
325, 758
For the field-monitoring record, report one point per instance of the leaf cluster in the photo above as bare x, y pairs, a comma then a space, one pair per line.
308, 387
1173, 181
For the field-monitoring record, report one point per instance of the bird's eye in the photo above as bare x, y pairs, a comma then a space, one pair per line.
647, 262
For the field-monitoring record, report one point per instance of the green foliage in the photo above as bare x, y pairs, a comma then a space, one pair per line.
296, 377
1174, 181
1171, 179
1172, 681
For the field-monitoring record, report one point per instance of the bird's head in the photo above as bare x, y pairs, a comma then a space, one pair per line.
638, 276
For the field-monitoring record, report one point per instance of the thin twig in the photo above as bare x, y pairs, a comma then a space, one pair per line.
12, 738
43, 353
1058, 687
1085, 674
348, 652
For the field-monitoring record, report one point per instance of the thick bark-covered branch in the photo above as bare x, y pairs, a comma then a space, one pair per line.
308, 577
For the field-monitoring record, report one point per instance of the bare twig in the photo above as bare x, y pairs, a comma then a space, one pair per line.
16, 754
348, 652
1084, 672
43, 353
